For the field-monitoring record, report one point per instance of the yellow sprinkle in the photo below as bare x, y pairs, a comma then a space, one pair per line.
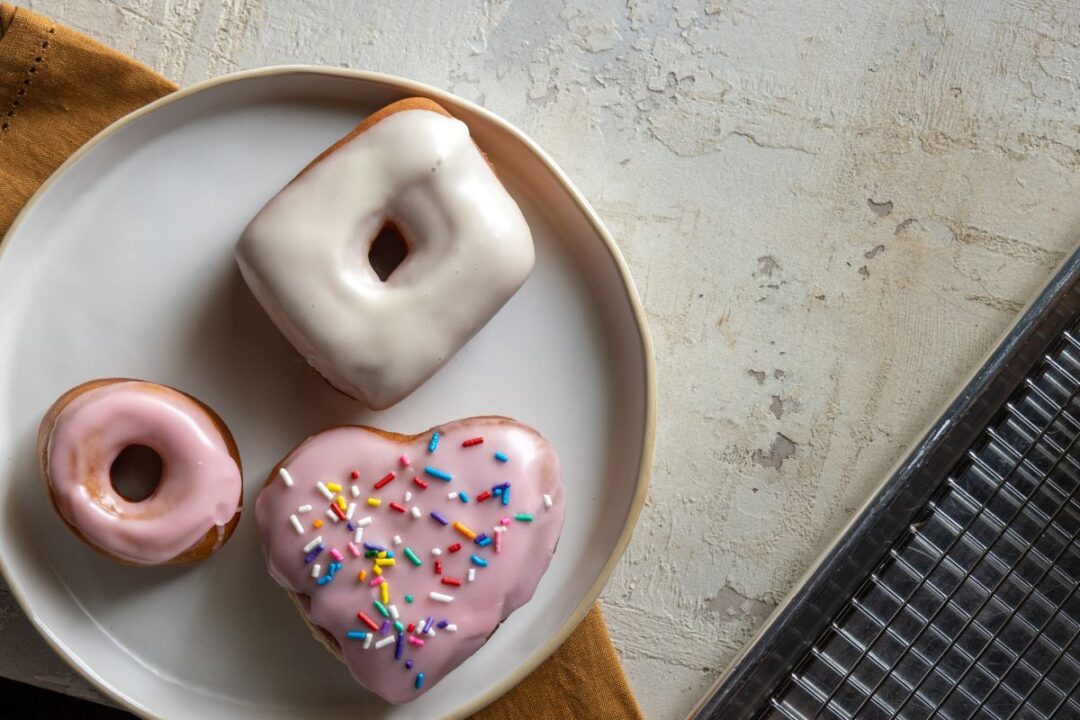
377, 570
341, 503
464, 530
374, 502
333, 487
385, 588
362, 576
382, 553
385, 562
317, 524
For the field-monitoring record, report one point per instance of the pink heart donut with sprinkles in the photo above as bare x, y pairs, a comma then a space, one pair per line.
404, 553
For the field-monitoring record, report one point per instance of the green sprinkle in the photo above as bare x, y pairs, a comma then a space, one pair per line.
523, 517
408, 598
416, 560
382, 609
398, 626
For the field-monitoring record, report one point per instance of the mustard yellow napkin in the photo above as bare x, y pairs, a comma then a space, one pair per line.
57, 89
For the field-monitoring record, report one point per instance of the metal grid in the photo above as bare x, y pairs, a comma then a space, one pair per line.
974, 612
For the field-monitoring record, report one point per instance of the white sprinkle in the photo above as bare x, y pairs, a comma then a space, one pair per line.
367, 640
315, 570
313, 544
363, 522
351, 511
397, 539
547, 502
431, 631
331, 514
355, 490
358, 536
304, 509
296, 524
436, 551
499, 529
393, 611
451, 496
388, 640
408, 496
450, 628
324, 490
439, 597
472, 574
286, 477
415, 512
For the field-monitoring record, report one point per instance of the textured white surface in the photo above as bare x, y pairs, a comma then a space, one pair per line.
831, 211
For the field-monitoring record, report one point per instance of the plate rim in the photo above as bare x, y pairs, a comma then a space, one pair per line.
637, 310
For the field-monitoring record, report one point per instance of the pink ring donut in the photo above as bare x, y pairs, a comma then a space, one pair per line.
194, 507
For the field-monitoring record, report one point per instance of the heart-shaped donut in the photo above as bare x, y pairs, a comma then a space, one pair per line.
404, 553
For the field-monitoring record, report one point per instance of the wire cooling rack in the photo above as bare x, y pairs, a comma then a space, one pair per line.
975, 612
955, 592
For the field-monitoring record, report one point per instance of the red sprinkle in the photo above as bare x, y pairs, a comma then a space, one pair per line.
483, 496
411, 627
337, 511
397, 506
420, 482
386, 479
354, 475
455, 547
473, 441
438, 567
451, 581
367, 621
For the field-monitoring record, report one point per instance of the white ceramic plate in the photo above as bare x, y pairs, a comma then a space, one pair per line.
122, 266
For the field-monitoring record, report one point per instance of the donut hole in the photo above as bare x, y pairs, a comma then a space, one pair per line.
136, 472
388, 250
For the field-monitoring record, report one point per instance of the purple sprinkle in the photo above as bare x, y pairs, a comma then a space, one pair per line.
373, 546
500, 486
440, 517
479, 539
385, 627
400, 642
427, 625
314, 553
408, 664
351, 525
442, 624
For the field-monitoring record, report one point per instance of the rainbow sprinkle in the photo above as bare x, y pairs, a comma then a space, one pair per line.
437, 473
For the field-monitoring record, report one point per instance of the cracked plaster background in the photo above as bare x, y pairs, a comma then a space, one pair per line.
831, 210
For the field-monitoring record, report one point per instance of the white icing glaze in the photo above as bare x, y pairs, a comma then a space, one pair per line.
305, 255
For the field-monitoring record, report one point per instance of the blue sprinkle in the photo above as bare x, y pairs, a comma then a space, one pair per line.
496, 491
440, 517
483, 541
479, 561
324, 579
419, 680
500, 486
434, 442
356, 634
389, 553
500, 457
463, 496
351, 526
437, 473
408, 664
506, 496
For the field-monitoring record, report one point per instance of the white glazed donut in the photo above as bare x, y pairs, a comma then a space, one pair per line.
305, 256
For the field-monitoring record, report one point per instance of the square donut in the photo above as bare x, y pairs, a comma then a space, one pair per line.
388, 252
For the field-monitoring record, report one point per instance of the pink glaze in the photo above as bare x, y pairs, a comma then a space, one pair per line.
478, 607
200, 485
